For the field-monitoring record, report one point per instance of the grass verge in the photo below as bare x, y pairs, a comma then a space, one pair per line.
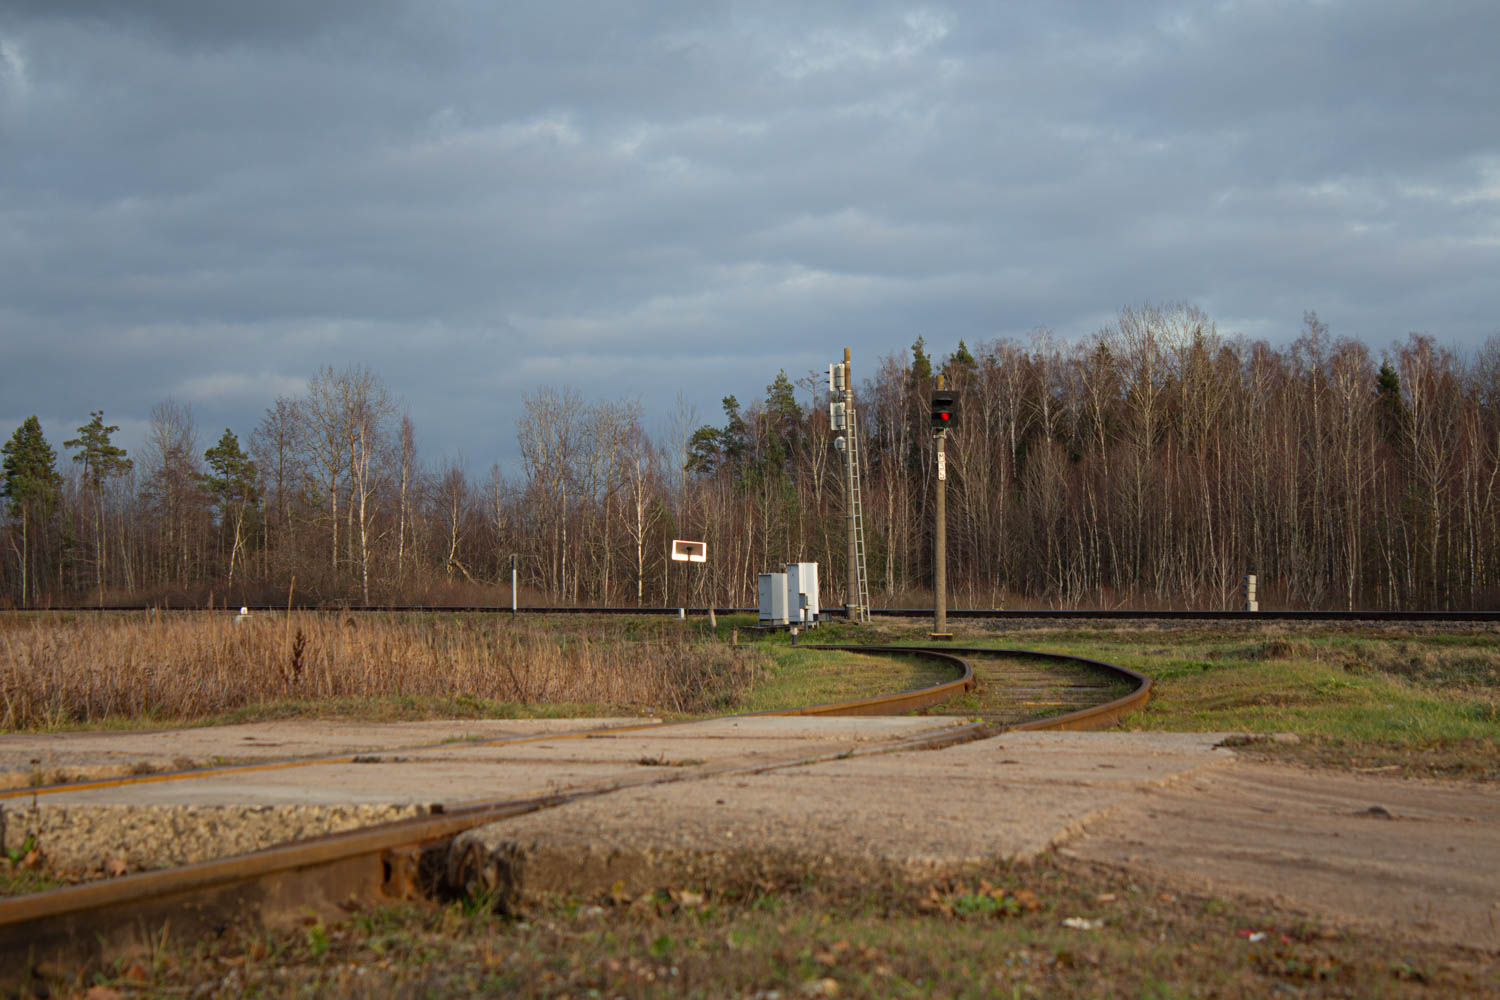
800, 676
1042, 930
1413, 701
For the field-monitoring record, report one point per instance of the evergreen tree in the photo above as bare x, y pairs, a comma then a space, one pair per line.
31, 486
233, 482
713, 448
102, 460
1389, 409
921, 365
962, 363
784, 420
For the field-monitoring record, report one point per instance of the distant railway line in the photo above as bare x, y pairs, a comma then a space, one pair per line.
995, 614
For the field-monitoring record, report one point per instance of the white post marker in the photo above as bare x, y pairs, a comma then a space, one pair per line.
692, 552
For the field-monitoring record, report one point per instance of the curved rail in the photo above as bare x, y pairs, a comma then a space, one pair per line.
1093, 717
901, 702
404, 858
1098, 716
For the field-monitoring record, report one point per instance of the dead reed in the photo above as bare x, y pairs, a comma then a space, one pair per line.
183, 668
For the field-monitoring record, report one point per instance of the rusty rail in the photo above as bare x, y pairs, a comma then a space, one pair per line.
48, 934
1096, 717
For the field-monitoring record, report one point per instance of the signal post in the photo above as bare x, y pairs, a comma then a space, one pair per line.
944, 412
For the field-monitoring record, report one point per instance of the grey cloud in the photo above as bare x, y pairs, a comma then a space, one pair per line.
189, 21
211, 202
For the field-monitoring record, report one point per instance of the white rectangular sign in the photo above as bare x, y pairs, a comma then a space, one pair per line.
942, 466
683, 551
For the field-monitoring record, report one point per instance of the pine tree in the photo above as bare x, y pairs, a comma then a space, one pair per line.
784, 418
101, 461
1390, 411
712, 448
31, 486
233, 482
962, 363
921, 365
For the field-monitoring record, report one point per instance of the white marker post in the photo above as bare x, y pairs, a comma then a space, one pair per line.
692, 552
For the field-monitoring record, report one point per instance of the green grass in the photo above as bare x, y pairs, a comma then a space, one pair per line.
1329, 686
1426, 702
1000, 933
20, 881
802, 676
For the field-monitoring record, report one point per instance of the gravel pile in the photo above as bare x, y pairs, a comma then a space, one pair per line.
118, 838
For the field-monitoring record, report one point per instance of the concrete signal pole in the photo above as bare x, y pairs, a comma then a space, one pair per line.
940, 538
851, 604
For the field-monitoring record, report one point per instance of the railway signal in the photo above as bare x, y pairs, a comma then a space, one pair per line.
944, 409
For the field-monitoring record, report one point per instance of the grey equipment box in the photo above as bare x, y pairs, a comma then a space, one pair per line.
802, 593
773, 599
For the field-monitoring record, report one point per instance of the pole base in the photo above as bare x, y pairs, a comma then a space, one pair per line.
940, 635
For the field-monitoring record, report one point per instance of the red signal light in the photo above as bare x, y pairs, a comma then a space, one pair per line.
943, 410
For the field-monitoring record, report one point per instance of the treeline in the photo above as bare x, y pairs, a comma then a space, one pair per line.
1153, 463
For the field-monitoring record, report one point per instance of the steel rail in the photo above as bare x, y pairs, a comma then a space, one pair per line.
1093, 717
53, 932
998, 614
50, 933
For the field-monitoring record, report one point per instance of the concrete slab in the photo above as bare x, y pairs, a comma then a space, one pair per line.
29, 758
1009, 798
52, 757
149, 819
1417, 856
856, 728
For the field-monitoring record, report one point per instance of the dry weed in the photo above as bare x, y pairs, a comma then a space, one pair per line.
183, 668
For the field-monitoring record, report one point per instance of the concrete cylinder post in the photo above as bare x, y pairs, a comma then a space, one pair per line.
940, 543
1251, 604
851, 604
940, 538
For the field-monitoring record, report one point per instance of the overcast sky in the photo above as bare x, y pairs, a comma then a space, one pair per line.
210, 201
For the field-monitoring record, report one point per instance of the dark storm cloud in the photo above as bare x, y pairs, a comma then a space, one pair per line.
211, 201
197, 23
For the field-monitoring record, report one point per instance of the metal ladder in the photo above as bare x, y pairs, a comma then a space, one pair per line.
863, 598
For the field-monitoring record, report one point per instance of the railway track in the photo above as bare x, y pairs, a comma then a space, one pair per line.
989, 614
1024, 692
53, 932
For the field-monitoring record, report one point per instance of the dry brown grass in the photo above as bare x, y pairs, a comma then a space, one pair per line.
181, 668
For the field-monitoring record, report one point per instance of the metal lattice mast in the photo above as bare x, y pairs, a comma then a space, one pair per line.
841, 418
